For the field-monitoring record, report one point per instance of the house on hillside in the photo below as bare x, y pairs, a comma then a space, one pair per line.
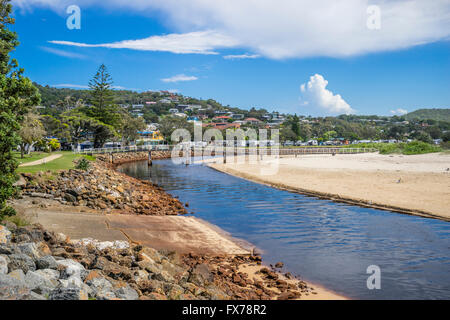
252, 121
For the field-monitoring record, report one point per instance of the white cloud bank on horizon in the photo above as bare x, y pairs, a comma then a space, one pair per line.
79, 86
241, 56
179, 78
277, 29
399, 112
316, 96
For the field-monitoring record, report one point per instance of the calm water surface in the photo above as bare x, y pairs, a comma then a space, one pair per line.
324, 242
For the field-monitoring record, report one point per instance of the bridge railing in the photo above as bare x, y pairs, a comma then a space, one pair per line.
244, 150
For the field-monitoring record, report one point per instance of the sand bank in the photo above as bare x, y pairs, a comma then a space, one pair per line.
418, 184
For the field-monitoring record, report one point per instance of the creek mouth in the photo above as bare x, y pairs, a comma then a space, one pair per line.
328, 243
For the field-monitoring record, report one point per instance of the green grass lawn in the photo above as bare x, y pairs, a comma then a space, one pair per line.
63, 163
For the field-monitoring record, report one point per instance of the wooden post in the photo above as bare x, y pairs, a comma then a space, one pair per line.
150, 157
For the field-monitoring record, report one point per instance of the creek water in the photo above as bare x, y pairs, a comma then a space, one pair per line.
327, 243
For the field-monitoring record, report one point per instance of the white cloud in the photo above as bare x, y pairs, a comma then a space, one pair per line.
63, 53
316, 95
201, 42
279, 29
179, 77
399, 112
70, 85
79, 86
241, 56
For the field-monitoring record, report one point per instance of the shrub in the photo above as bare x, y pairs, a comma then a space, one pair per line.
419, 147
83, 164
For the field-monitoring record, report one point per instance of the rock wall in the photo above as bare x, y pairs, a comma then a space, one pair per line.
102, 187
36, 264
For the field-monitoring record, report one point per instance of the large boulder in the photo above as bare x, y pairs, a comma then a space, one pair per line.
40, 283
30, 249
72, 268
47, 262
126, 293
13, 289
21, 261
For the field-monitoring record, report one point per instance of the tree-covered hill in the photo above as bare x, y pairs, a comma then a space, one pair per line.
433, 114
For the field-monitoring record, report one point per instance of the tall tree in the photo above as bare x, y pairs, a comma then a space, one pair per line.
101, 85
103, 108
17, 94
31, 132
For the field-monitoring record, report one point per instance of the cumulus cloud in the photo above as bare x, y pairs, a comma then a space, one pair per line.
179, 78
316, 95
399, 112
241, 56
201, 42
280, 29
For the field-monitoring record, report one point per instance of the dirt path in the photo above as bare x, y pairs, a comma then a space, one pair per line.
41, 161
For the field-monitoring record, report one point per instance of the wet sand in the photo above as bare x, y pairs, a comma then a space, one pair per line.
417, 184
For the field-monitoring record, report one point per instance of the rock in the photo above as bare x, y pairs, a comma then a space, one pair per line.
70, 267
288, 295
3, 264
126, 293
21, 182
68, 294
13, 289
69, 198
30, 249
21, 261
5, 235
201, 275
40, 283
279, 265
49, 273
73, 281
17, 274
163, 276
175, 292
100, 285
47, 262
36, 296
4, 249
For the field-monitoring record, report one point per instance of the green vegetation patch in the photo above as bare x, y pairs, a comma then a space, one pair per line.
65, 162
410, 148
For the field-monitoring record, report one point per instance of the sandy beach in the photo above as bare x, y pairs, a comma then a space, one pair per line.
416, 184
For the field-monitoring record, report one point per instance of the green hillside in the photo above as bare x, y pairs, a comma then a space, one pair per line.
434, 114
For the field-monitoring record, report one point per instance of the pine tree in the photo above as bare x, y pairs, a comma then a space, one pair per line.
101, 85
17, 94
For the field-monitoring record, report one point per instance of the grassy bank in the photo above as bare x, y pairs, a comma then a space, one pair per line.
63, 163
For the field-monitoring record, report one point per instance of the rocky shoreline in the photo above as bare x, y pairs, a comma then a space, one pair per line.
39, 264
36, 264
102, 187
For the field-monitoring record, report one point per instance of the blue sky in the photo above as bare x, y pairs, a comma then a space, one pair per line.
353, 70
